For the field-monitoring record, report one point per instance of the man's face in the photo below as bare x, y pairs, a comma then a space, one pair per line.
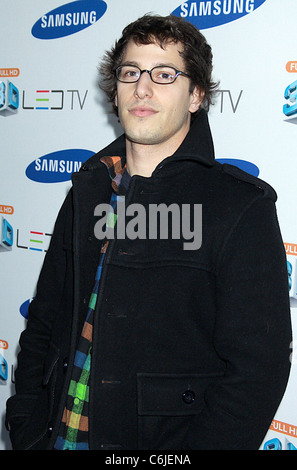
150, 113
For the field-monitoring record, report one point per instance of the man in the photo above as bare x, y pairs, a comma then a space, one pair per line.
151, 342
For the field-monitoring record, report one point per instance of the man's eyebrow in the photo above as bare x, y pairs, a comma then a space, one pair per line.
156, 64
129, 62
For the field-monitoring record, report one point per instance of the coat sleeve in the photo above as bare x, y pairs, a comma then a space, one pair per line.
34, 340
252, 335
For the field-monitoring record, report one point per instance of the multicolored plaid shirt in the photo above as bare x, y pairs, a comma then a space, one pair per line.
73, 433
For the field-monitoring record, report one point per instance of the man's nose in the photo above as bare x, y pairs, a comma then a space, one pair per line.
144, 86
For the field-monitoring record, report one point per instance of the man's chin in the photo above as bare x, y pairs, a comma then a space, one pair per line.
145, 137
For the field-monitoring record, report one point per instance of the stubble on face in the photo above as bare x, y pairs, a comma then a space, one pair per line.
153, 114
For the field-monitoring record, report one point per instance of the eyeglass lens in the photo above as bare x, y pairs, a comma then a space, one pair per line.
131, 73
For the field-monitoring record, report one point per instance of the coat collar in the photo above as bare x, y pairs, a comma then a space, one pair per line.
198, 146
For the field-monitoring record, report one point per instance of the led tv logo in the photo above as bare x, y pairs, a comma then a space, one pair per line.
208, 14
54, 100
69, 19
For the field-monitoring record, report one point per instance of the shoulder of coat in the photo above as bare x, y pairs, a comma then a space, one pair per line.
244, 177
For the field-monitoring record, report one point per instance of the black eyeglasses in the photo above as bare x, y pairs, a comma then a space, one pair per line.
162, 75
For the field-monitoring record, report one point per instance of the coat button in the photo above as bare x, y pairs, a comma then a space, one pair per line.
188, 397
65, 365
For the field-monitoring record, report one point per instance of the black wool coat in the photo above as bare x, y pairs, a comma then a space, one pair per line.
191, 347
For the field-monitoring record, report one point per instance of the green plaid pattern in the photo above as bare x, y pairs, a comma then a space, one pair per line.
74, 427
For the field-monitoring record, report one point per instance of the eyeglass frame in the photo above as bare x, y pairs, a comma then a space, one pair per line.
177, 73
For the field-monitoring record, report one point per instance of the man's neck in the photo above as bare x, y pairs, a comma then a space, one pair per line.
142, 159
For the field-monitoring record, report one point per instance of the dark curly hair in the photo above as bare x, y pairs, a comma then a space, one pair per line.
197, 54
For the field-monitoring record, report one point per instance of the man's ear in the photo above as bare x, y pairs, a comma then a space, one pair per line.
197, 97
116, 100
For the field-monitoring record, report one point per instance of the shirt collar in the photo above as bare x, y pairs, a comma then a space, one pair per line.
117, 167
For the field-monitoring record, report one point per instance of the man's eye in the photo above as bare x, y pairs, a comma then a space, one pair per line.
129, 73
165, 75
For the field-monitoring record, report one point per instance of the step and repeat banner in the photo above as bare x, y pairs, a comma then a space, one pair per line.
53, 117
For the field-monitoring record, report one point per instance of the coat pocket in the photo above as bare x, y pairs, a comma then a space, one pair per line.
50, 363
18, 411
166, 406
40, 422
28, 415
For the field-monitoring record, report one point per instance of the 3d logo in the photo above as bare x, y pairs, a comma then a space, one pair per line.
290, 108
9, 98
6, 235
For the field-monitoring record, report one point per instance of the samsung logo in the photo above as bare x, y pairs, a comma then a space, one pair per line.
208, 14
244, 165
58, 166
24, 308
69, 19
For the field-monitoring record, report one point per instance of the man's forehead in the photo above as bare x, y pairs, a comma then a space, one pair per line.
153, 50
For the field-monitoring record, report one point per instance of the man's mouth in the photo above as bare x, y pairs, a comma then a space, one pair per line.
142, 111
